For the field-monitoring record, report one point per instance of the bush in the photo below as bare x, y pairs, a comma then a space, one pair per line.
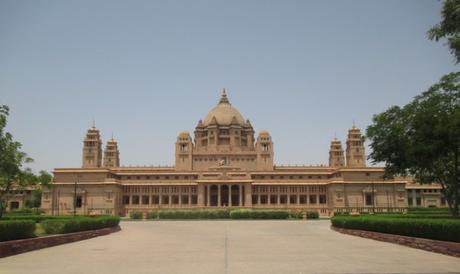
436, 229
194, 214
35, 218
75, 224
296, 214
13, 230
152, 215
312, 215
24, 211
259, 214
136, 215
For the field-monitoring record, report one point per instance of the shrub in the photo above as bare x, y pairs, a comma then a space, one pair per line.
35, 218
312, 215
152, 215
259, 214
194, 214
436, 229
59, 226
296, 214
136, 215
13, 230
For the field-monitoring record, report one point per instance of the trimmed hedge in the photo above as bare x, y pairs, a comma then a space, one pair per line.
312, 215
438, 229
13, 230
136, 215
194, 214
152, 215
259, 214
35, 218
75, 224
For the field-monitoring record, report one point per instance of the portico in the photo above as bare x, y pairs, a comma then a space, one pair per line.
227, 194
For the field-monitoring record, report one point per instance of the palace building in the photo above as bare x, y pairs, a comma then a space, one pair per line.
225, 164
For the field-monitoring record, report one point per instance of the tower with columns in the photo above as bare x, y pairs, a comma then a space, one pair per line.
355, 148
111, 154
92, 149
336, 157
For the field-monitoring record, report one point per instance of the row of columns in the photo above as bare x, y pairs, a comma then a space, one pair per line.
244, 197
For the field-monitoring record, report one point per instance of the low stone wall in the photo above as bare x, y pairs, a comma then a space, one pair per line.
443, 247
14, 247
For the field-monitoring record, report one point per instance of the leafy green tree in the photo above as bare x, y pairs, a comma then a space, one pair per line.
449, 27
422, 138
13, 176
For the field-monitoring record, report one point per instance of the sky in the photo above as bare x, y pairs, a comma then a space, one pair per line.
146, 70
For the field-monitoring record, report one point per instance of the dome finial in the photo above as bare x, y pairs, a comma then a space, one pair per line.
223, 98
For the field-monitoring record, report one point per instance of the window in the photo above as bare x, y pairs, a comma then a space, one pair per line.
254, 199
293, 199
418, 201
303, 199
78, 202
194, 199
184, 199
322, 199
145, 200
126, 200
135, 200
283, 199
369, 199
14, 205
273, 199
175, 199
165, 199
263, 199
312, 199
155, 199
410, 201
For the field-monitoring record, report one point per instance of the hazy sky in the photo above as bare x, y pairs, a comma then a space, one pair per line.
146, 70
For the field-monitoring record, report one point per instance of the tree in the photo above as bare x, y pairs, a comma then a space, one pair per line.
449, 27
422, 138
13, 176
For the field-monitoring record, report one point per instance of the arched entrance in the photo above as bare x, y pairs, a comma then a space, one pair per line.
235, 195
213, 191
224, 195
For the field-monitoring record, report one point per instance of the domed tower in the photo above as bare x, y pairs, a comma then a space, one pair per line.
264, 149
336, 157
184, 151
111, 154
355, 148
224, 130
92, 149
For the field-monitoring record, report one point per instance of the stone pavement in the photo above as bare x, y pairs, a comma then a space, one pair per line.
228, 247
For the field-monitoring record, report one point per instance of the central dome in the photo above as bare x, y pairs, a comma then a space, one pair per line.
224, 113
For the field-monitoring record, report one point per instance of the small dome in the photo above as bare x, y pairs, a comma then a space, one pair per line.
264, 132
184, 133
224, 113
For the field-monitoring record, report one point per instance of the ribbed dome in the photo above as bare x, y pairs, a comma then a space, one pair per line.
224, 113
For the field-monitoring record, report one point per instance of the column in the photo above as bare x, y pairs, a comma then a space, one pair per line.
208, 202
200, 193
240, 196
169, 200
248, 194
230, 195
218, 196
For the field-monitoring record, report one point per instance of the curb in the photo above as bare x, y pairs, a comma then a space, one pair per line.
442, 247
15, 247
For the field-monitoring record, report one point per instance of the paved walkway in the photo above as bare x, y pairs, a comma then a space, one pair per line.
228, 247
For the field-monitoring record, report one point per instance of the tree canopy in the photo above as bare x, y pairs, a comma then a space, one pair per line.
422, 138
449, 27
13, 174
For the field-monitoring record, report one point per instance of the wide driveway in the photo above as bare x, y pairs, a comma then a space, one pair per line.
228, 247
